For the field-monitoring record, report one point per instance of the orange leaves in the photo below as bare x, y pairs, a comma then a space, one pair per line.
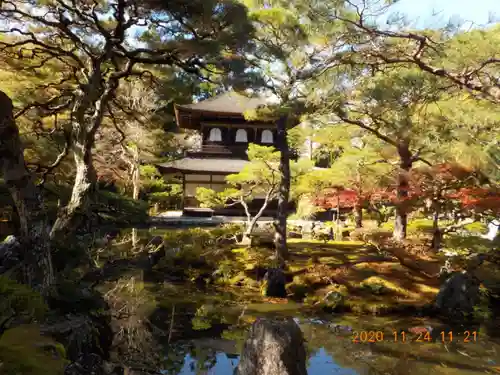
330, 198
479, 199
454, 183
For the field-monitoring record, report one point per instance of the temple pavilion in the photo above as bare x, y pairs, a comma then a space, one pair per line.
225, 135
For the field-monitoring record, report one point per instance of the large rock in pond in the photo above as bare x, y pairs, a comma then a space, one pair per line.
274, 283
273, 347
10, 253
458, 295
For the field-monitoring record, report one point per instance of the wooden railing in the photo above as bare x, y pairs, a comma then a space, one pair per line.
239, 151
223, 150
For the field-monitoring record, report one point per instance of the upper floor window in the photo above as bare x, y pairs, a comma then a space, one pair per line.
267, 136
215, 135
241, 135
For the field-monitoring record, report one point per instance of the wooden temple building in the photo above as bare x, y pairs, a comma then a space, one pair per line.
225, 135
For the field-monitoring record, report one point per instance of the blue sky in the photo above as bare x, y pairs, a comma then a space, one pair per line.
424, 11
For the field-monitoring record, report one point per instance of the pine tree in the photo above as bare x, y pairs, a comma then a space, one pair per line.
98, 44
289, 44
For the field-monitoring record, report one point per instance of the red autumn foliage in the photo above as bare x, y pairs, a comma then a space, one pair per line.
453, 181
478, 199
346, 198
349, 198
441, 178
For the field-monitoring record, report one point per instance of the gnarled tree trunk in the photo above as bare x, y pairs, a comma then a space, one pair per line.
358, 209
283, 191
131, 156
252, 222
87, 113
28, 200
437, 233
358, 215
405, 165
75, 212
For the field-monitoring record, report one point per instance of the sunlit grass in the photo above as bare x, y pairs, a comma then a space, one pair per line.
426, 288
387, 284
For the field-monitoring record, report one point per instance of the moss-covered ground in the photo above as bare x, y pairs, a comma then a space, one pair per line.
361, 279
333, 275
343, 275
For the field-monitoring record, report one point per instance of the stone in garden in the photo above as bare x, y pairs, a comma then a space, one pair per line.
458, 295
10, 253
273, 347
274, 283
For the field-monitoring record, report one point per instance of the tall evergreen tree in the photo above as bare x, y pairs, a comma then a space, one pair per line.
289, 46
98, 44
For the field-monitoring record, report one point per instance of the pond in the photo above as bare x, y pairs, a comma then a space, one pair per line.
204, 332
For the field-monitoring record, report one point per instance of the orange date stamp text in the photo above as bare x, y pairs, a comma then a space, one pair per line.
422, 335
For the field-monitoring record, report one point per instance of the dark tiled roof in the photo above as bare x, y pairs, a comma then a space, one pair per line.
228, 102
207, 165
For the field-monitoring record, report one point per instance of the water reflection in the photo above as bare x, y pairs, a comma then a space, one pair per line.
320, 363
329, 351
223, 365
204, 333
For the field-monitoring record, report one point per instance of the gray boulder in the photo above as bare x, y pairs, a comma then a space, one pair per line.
10, 253
273, 347
275, 281
458, 295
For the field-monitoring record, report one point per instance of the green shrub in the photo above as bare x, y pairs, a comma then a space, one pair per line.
298, 291
375, 288
382, 215
23, 350
118, 209
19, 301
467, 244
166, 199
192, 243
151, 179
333, 300
226, 272
482, 310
